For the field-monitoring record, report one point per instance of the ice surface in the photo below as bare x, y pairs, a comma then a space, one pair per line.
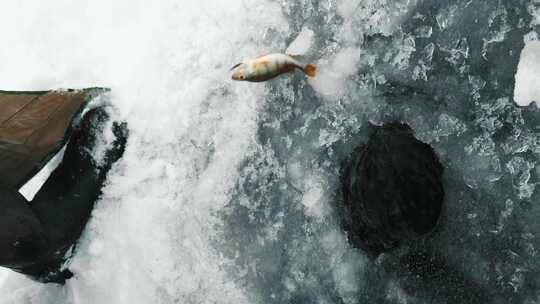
230, 192
528, 75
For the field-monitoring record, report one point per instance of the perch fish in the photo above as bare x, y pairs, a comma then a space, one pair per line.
269, 66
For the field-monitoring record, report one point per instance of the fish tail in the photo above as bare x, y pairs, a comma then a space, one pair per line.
310, 70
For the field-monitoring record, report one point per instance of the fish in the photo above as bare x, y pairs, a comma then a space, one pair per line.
270, 66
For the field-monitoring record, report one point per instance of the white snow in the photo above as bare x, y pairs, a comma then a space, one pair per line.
149, 240
302, 43
527, 89
332, 75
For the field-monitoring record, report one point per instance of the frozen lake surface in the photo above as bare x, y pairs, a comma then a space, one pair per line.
230, 192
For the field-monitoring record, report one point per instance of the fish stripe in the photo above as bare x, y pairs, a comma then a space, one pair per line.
261, 68
272, 66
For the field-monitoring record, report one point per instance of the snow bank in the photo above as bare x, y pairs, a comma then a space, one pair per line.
149, 240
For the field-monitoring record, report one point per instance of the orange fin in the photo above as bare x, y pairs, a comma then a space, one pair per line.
310, 70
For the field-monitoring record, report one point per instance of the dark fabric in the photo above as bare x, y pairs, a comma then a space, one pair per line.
22, 238
35, 237
64, 203
392, 189
33, 126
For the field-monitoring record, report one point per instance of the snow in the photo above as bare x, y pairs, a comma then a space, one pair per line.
302, 43
149, 240
527, 89
333, 75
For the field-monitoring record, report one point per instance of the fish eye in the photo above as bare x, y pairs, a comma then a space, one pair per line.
242, 77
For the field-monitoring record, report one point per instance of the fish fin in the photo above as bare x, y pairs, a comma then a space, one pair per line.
235, 66
310, 70
298, 57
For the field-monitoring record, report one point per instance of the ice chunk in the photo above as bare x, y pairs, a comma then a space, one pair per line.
528, 75
520, 169
446, 17
302, 43
534, 9
449, 125
346, 9
423, 31
313, 198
